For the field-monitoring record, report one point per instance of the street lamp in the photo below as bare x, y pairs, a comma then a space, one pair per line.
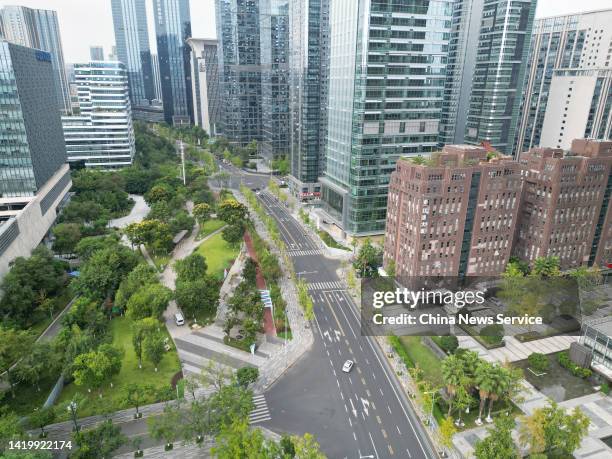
72, 408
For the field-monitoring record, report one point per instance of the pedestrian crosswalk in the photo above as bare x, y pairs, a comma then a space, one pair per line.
260, 413
333, 285
301, 253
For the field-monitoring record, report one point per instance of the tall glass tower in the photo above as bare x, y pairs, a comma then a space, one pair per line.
499, 73
39, 29
309, 61
132, 39
173, 28
386, 81
274, 27
239, 51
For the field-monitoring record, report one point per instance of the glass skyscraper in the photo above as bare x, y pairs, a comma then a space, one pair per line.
239, 51
386, 81
39, 29
274, 36
132, 39
499, 73
309, 61
462, 54
173, 28
32, 147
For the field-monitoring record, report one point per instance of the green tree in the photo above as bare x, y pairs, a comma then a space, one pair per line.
232, 234
452, 375
148, 301
155, 234
167, 426
141, 275
67, 235
93, 368
306, 447
498, 443
202, 212
237, 441
100, 276
231, 212
546, 267
368, 259
247, 376
154, 348
447, 430
13, 345
140, 330
42, 417
40, 363
88, 245
553, 431
100, 442
10, 429
159, 193
135, 395
484, 380
191, 268
199, 297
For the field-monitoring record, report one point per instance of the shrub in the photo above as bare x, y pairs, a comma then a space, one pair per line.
605, 388
448, 343
492, 334
538, 362
576, 370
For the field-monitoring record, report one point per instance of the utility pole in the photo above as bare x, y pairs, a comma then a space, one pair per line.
182, 148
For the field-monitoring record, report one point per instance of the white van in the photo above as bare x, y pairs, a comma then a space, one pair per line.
178, 318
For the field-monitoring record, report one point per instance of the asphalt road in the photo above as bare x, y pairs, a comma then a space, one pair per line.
361, 414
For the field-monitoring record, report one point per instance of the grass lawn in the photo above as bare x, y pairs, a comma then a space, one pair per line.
157, 384
210, 227
331, 242
424, 358
218, 253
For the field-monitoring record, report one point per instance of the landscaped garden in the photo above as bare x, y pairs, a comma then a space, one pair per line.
219, 254
156, 384
555, 381
209, 227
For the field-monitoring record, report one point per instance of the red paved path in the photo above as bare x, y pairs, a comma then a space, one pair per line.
268, 321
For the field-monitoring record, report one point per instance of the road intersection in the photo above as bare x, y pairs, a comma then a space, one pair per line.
360, 414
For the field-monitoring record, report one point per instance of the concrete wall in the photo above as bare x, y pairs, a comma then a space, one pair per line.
33, 224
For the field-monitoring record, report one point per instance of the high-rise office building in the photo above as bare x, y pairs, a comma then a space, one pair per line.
205, 84
156, 77
386, 81
102, 135
454, 215
96, 53
132, 39
274, 36
173, 28
462, 53
38, 29
113, 54
239, 51
567, 93
564, 204
499, 73
34, 176
308, 71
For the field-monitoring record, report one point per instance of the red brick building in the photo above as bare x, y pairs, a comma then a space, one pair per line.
463, 212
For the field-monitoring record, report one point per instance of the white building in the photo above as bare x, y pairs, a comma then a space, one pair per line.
567, 90
102, 135
205, 83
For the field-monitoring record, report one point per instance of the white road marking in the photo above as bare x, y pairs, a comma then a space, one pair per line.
373, 445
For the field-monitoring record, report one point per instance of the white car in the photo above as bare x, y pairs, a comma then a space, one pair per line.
348, 366
179, 319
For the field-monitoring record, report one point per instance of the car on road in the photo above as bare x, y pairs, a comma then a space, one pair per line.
348, 366
179, 319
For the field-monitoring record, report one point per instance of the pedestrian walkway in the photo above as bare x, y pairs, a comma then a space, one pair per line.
514, 350
333, 285
260, 413
303, 253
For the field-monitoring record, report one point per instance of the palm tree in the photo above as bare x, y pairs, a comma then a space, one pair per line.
484, 381
470, 361
452, 374
500, 379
